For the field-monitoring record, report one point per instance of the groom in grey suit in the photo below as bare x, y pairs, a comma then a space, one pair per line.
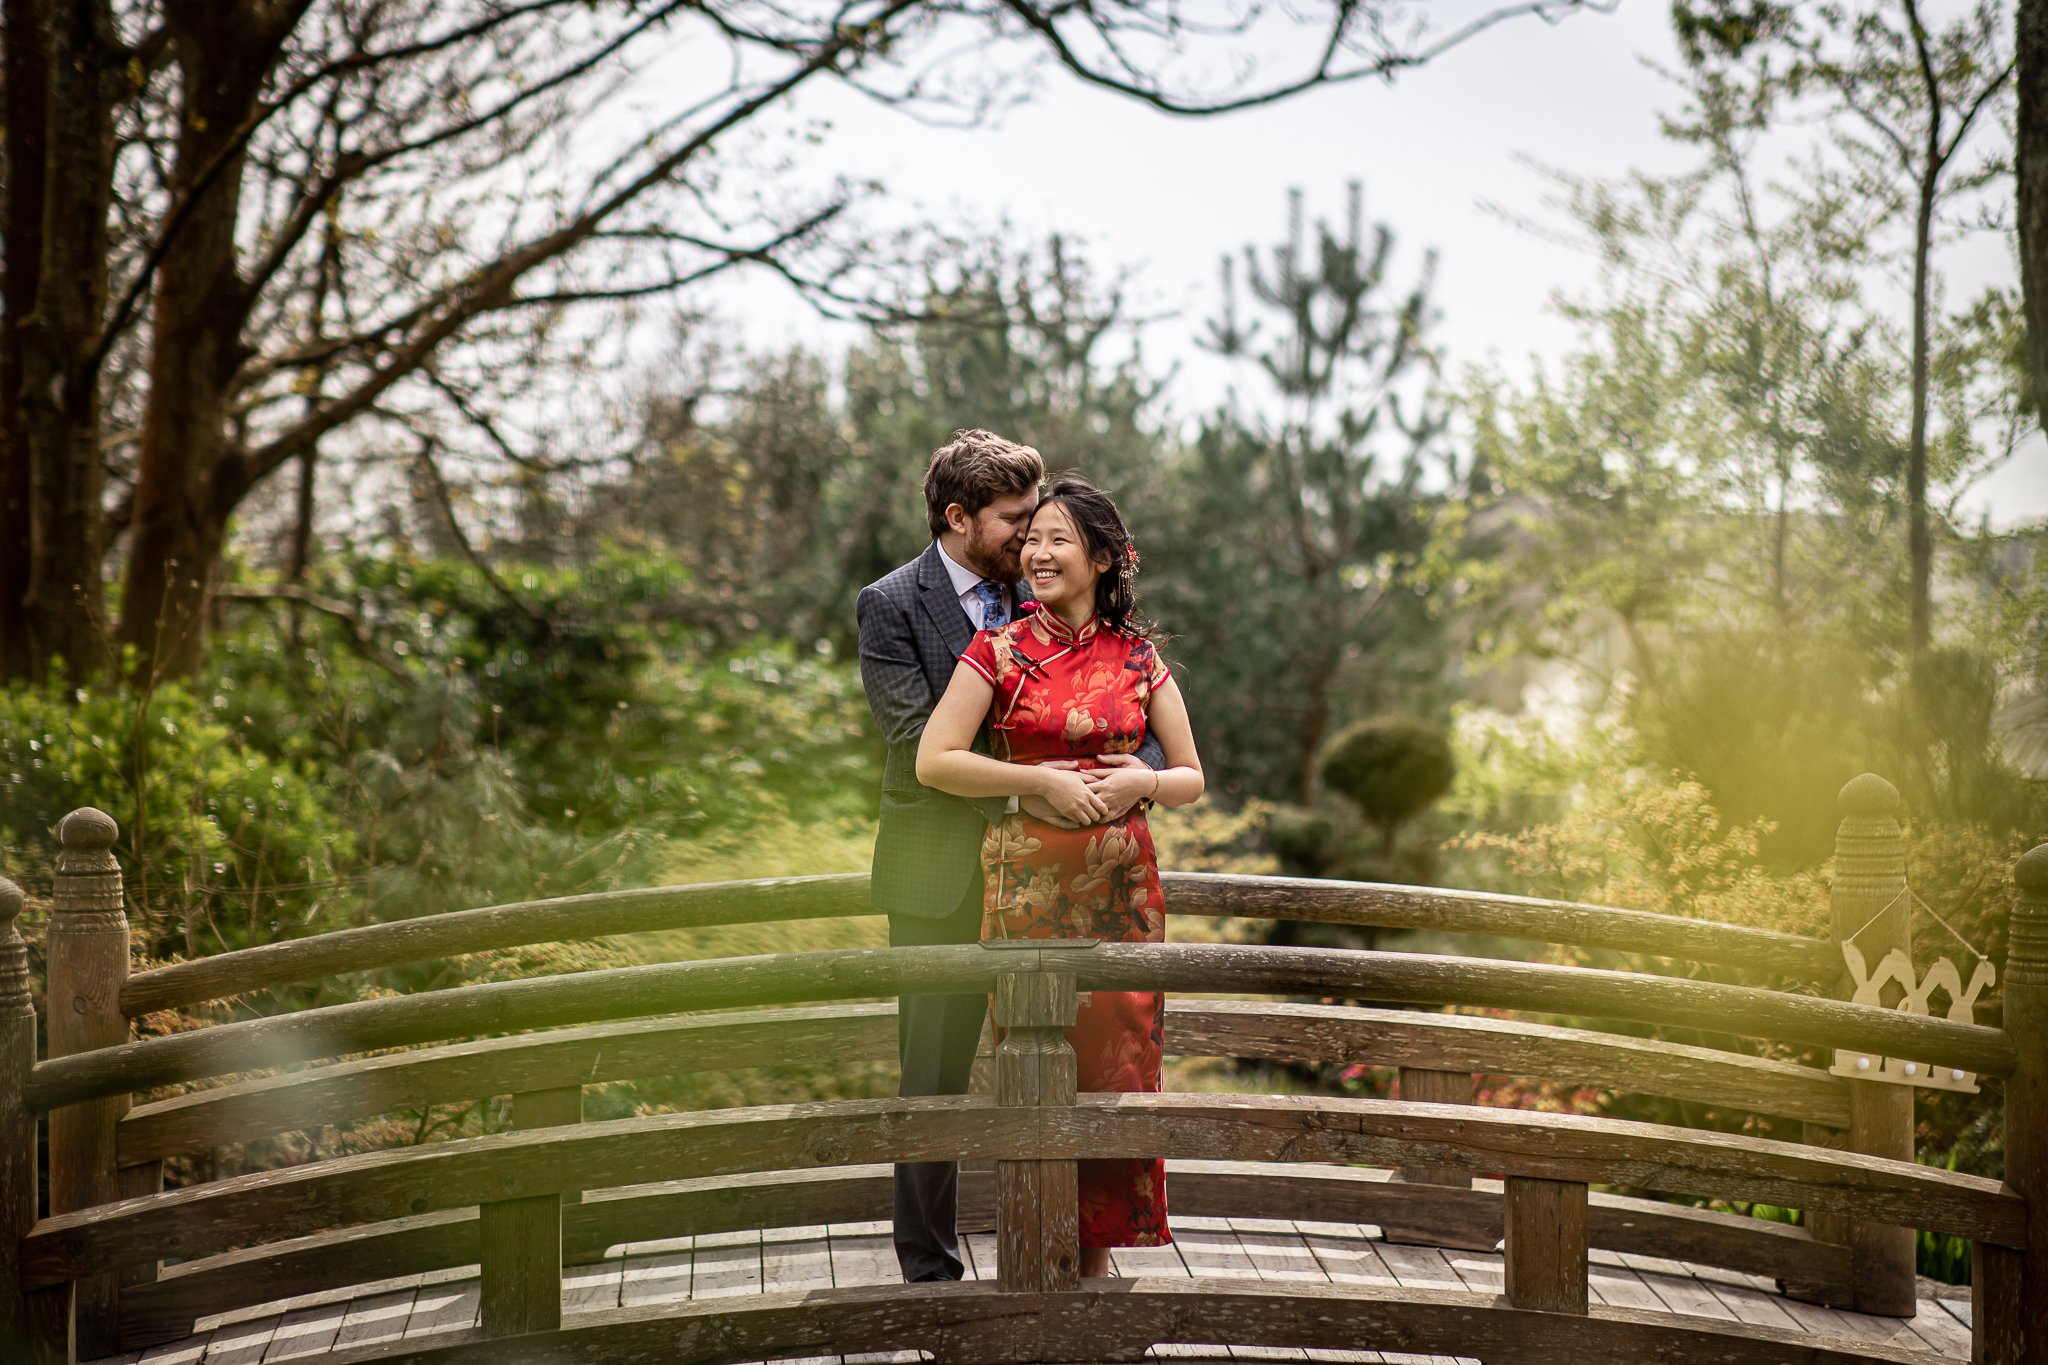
979, 491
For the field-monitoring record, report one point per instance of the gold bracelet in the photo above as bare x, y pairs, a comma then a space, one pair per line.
1154, 797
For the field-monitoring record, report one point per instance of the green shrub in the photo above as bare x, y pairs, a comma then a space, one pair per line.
224, 845
1391, 767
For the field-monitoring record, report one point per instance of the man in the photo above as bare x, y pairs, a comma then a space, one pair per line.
979, 491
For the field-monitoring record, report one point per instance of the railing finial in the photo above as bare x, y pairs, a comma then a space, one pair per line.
1869, 796
15, 1000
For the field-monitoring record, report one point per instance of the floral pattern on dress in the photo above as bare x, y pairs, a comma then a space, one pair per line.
1064, 694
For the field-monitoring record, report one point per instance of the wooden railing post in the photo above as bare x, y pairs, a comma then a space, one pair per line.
1545, 1244
2009, 1288
88, 961
40, 1322
1038, 1203
520, 1240
1871, 906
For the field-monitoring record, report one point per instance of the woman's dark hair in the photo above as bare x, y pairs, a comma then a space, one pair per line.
1103, 536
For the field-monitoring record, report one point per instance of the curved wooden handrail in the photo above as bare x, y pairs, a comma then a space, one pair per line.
852, 973
563, 919
1393, 906
654, 909
381, 1185
203, 1120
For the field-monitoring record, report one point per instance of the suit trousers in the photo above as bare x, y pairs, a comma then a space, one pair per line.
935, 1041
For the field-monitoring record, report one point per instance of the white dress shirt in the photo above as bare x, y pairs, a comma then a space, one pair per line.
965, 581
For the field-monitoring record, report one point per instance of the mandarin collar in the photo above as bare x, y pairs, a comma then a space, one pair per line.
1057, 630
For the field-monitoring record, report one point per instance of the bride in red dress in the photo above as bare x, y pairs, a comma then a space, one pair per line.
1068, 691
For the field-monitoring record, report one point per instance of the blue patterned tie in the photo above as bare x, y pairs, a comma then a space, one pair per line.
990, 595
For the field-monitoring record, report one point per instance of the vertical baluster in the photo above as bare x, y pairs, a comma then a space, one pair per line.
1038, 1203
1422, 1229
88, 962
1545, 1225
41, 1322
520, 1240
2010, 1288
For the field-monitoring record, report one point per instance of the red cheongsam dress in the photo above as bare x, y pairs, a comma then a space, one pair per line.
1067, 694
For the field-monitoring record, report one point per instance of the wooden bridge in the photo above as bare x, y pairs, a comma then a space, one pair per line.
1308, 1227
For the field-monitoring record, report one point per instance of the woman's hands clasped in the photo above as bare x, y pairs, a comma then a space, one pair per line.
1069, 796
1074, 797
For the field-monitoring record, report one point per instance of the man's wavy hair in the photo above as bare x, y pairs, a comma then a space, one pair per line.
974, 469
1103, 536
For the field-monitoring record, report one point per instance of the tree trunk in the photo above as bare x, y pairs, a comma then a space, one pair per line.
2031, 155
27, 94
60, 165
1920, 536
189, 476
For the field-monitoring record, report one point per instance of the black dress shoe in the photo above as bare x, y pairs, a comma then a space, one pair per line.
936, 1277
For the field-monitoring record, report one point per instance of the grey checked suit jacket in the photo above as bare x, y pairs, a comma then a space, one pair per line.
912, 633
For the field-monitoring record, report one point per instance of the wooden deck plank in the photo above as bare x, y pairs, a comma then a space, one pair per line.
243, 1343
1681, 1293
1821, 1321
657, 1276
380, 1317
1345, 1253
1959, 1309
1484, 1272
1616, 1286
1209, 1247
1278, 1251
978, 1254
445, 1305
591, 1288
862, 1253
1942, 1333
1416, 1267
308, 1331
186, 1352
727, 1264
1148, 1262
794, 1258
1751, 1306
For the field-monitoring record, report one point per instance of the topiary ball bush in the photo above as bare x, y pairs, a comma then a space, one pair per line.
1392, 767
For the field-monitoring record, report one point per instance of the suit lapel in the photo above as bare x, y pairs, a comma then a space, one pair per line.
942, 604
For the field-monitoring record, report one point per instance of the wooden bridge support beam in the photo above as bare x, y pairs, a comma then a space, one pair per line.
1545, 1244
2010, 1288
87, 958
519, 1241
1038, 1203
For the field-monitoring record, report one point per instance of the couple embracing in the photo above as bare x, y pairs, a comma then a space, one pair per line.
1029, 723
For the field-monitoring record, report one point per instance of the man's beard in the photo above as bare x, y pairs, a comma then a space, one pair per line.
999, 563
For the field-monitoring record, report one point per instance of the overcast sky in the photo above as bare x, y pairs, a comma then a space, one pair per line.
1168, 197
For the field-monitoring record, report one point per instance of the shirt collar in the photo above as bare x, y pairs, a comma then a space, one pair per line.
965, 580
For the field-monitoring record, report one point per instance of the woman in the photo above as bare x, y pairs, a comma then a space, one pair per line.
1068, 691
